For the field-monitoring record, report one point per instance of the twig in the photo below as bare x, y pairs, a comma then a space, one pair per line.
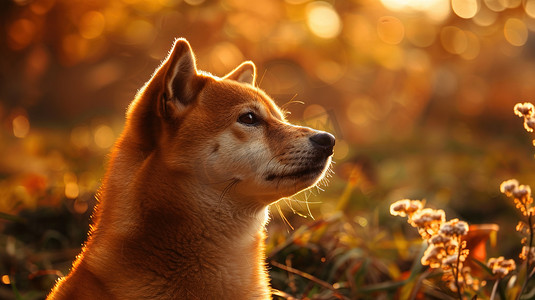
309, 277
291, 278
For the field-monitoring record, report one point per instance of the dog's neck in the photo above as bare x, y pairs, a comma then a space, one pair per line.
183, 198
186, 219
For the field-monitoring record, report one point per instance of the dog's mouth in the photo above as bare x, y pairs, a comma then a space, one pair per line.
302, 173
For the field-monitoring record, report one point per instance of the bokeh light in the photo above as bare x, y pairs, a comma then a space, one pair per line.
454, 40
436, 10
323, 20
416, 92
465, 9
515, 31
21, 33
21, 126
390, 30
104, 136
92, 24
529, 7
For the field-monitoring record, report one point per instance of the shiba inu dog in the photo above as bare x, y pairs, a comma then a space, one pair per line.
183, 205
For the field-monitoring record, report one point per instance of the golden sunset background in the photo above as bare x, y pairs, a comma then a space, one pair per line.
419, 94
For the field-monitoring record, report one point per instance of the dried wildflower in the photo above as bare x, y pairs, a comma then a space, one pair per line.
500, 266
526, 253
446, 249
451, 259
439, 240
507, 187
428, 221
478, 284
521, 195
454, 228
529, 124
525, 109
522, 191
433, 256
523, 228
405, 207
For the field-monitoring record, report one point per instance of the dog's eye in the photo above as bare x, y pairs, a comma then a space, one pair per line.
248, 119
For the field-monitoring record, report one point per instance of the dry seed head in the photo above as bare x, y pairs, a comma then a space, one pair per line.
522, 191
428, 216
454, 228
528, 253
450, 260
433, 256
452, 286
427, 221
405, 207
439, 239
529, 124
525, 109
500, 266
451, 247
507, 187
522, 227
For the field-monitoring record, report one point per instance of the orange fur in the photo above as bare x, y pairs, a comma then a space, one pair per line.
183, 205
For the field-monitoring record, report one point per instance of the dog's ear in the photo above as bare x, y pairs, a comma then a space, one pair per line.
245, 73
180, 80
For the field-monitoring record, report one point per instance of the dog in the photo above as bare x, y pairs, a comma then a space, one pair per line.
184, 203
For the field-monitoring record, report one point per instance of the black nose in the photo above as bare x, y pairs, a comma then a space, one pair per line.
324, 141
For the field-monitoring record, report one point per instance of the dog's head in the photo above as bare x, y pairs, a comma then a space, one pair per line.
224, 132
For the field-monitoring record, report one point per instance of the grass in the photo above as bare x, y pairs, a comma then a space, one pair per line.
352, 249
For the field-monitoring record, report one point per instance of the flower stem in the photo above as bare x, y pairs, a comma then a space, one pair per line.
494, 289
529, 259
456, 271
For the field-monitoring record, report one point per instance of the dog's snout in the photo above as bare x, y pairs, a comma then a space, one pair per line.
324, 141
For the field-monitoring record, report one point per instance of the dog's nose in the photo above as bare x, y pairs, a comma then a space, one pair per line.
324, 141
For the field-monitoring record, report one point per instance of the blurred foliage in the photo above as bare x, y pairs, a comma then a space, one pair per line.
418, 93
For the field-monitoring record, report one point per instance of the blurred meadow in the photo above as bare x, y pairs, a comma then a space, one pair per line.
419, 94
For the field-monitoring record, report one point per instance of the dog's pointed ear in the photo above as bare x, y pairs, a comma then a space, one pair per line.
180, 72
245, 73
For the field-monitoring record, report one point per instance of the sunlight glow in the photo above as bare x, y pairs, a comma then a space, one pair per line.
437, 10
323, 20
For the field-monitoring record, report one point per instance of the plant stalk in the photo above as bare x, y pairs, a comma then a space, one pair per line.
457, 270
529, 259
494, 289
